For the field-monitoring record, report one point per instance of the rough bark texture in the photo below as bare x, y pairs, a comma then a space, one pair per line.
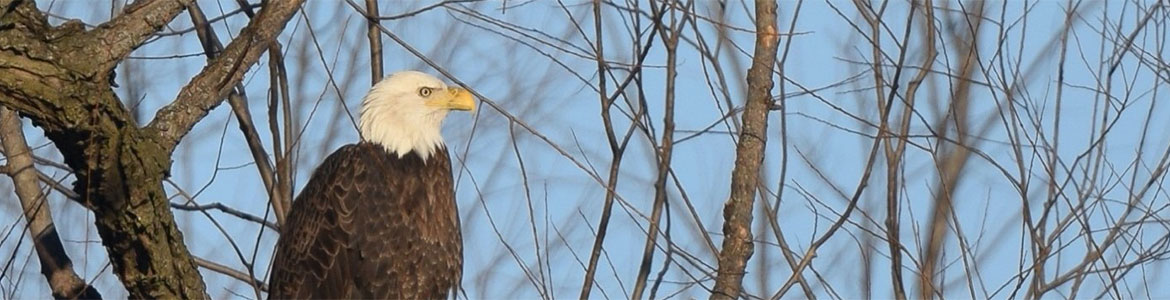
60, 78
737, 212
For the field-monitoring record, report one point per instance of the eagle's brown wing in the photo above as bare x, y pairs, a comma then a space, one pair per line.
371, 225
312, 254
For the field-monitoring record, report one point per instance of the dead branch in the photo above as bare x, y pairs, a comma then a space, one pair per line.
749, 155
55, 263
375, 37
238, 100
208, 89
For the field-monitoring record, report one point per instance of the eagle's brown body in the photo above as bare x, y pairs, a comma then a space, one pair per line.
371, 225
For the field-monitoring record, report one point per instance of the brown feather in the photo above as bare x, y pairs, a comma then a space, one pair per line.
374, 226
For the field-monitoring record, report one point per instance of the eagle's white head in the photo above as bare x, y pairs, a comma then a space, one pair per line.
405, 111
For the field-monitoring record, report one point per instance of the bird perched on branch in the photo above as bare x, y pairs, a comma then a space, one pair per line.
378, 218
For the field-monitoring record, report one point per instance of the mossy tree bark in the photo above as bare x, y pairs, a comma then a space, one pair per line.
60, 77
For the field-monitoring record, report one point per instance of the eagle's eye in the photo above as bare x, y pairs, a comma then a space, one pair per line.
425, 91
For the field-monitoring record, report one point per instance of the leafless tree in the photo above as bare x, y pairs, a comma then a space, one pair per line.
862, 149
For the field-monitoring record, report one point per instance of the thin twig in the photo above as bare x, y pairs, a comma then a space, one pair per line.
227, 210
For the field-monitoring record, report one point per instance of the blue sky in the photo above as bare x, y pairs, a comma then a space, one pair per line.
560, 202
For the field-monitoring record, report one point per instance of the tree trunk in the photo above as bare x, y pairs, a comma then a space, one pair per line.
119, 169
61, 77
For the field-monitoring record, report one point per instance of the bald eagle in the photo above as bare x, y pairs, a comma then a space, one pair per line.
378, 218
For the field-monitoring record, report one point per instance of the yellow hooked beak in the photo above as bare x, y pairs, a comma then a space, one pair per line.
453, 98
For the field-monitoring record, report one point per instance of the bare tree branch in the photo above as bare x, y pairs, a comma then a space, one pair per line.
230, 272
108, 44
749, 155
227, 210
208, 89
120, 167
375, 37
665, 150
238, 99
55, 263
951, 164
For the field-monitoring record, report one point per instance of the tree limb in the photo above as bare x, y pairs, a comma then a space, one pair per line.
55, 263
120, 167
238, 99
737, 212
208, 89
102, 48
375, 37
